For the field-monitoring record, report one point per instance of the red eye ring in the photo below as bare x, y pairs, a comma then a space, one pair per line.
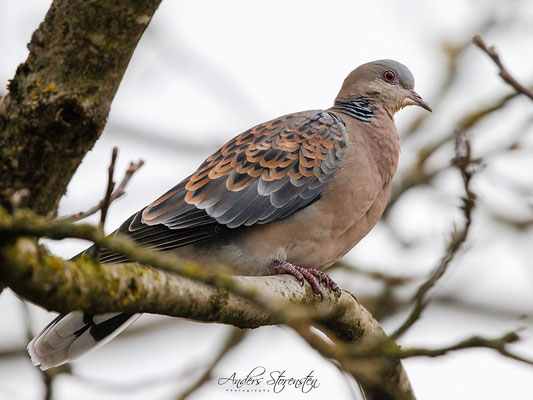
389, 76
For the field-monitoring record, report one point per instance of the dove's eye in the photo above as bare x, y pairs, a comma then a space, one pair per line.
389, 76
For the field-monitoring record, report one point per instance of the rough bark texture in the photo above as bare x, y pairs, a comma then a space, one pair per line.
85, 285
60, 97
65, 286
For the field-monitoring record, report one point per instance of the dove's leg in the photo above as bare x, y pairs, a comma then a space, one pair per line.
312, 275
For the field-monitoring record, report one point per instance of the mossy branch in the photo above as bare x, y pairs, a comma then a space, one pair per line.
59, 99
198, 292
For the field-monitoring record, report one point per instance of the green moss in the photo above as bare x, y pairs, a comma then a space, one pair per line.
59, 99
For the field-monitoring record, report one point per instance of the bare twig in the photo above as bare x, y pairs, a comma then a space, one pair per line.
503, 312
117, 193
137, 385
499, 344
392, 280
463, 162
390, 350
417, 174
167, 140
234, 338
505, 75
106, 201
386, 302
453, 53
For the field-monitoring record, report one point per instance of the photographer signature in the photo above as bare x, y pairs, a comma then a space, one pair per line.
278, 381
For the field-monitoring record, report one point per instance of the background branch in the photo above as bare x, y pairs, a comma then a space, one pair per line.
506, 75
463, 161
234, 338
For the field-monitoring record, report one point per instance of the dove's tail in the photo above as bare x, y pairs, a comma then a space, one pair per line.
72, 335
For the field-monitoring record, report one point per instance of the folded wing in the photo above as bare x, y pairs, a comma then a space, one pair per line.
266, 173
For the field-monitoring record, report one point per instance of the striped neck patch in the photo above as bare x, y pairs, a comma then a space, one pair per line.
358, 108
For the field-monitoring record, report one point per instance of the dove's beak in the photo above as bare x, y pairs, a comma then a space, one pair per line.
413, 98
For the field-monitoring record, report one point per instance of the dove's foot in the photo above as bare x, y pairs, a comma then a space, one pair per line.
312, 275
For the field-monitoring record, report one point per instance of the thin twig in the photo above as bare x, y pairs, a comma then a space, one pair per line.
106, 201
235, 337
386, 302
110, 186
418, 174
392, 280
463, 161
499, 344
117, 193
453, 53
189, 367
505, 75
388, 349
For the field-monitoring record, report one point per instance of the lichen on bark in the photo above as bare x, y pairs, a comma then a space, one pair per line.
59, 99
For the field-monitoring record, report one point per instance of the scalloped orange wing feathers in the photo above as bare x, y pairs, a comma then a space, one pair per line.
266, 173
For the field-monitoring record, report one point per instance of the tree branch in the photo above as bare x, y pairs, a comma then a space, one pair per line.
59, 99
463, 161
212, 295
418, 174
505, 75
499, 344
234, 338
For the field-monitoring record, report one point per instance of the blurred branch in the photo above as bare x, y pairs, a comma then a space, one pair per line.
499, 344
234, 338
200, 293
135, 330
392, 280
517, 223
221, 85
168, 140
13, 352
463, 161
453, 53
505, 75
488, 310
386, 302
363, 369
417, 174
47, 378
136, 385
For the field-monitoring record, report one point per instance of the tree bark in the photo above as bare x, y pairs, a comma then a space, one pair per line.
59, 99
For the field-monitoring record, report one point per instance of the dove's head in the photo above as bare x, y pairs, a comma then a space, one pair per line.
386, 82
